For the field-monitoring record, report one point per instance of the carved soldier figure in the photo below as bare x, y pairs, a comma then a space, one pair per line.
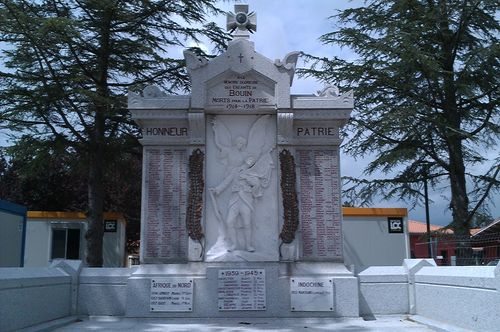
245, 186
248, 173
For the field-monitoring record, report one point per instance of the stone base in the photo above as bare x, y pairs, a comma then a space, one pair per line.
278, 275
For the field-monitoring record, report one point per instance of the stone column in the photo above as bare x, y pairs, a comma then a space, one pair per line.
169, 135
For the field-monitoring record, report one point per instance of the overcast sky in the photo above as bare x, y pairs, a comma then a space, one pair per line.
286, 26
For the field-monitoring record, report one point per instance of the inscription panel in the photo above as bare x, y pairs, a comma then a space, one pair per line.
319, 199
171, 294
240, 93
311, 294
242, 289
314, 130
171, 132
165, 210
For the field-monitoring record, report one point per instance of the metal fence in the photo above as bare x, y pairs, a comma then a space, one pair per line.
448, 249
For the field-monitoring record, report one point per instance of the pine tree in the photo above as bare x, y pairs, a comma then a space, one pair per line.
426, 85
69, 63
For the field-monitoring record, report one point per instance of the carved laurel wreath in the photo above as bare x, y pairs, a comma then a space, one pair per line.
289, 194
195, 196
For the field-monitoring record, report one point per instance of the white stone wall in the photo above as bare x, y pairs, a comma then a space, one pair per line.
466, 296
103, 291
383, 290
30, 296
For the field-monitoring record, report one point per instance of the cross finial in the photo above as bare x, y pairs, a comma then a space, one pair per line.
243, 22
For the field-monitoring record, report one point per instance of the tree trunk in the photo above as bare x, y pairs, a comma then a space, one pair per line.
459, 204
459, 200
96, 166
95, 214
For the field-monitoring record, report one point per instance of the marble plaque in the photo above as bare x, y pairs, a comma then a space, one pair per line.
240, 93
242, 289
165, 194
320, 208
311, 294
171, 294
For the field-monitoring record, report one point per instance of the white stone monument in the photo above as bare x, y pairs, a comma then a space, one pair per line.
241, 181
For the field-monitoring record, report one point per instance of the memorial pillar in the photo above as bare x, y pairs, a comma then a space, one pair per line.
170, 135
309, 139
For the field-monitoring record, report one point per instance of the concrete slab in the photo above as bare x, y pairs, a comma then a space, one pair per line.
378, 323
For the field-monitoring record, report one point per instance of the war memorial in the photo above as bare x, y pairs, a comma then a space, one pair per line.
241, 183
241, 215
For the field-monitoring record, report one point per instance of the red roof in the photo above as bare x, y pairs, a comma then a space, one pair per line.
417, 227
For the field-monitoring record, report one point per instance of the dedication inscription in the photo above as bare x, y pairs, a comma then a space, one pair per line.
171, 294
166, 236
242, 289
320, 204
240, 93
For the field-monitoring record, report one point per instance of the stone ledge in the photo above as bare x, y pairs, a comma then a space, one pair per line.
31, 277
384, 274
188, 269
51, 325
106, 275
460, 276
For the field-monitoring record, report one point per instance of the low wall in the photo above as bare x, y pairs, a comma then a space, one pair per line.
463, 296
30, 296
383, 290
467, 296
103, 291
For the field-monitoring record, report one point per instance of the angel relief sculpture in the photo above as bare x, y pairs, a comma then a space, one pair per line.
249, 166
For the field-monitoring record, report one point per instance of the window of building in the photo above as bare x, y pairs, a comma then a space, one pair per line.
65, 243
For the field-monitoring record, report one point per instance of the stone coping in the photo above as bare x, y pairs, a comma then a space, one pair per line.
463, 276
384, 274
32, 277
120, 275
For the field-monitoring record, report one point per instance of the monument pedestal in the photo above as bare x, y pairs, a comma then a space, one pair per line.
210, 290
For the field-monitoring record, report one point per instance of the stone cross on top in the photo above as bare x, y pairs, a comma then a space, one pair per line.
243, 22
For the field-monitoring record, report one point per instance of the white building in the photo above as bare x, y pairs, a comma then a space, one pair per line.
375, 236
61, 235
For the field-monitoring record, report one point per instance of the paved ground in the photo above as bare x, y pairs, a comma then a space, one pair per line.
382, 324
